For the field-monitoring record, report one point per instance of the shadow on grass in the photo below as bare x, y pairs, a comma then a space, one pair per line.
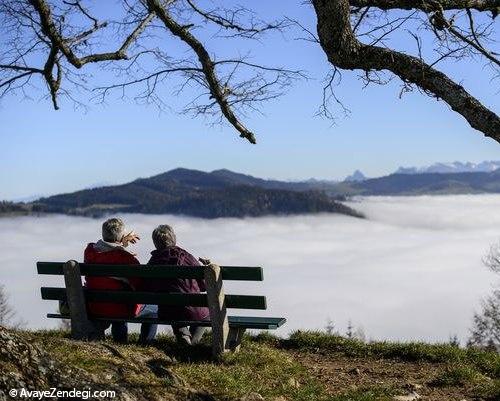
201, 352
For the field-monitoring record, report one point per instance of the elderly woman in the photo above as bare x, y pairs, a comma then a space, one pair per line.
111, 250
168, 253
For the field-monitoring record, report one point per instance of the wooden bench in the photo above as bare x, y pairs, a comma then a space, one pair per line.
227, 331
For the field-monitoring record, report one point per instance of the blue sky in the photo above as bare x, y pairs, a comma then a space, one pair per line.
43, 151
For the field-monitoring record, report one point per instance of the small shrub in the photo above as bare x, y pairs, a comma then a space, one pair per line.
461, 375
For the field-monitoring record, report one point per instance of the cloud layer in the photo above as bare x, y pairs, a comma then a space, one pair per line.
411, 271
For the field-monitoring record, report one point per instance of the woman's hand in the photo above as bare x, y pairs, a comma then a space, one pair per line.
131, 237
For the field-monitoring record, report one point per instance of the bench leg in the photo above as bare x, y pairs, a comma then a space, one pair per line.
80, 325
217, 308
234, 338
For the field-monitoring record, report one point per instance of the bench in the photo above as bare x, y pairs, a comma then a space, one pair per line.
227, 331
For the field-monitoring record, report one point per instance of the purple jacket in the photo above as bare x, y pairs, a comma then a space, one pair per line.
176, 256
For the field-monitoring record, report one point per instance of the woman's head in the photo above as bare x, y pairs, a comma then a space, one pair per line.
164, 237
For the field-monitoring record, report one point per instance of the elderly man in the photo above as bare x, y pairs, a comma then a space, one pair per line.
111, 249
168, 253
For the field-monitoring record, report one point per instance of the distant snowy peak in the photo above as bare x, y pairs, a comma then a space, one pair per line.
357, 176
455, 167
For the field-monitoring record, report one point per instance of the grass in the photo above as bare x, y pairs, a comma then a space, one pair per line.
471, 368
373, 394
467, 376
266, 366
458, 376
258, 368
484, 362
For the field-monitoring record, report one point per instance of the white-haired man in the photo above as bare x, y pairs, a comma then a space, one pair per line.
111, 250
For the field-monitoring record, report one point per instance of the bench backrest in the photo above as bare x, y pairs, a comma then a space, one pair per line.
241, 273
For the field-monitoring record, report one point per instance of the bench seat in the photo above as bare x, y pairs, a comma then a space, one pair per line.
247, 322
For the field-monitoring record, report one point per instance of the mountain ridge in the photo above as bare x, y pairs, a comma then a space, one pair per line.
453, 167
430, 184
224, 193
182, 191
355, 177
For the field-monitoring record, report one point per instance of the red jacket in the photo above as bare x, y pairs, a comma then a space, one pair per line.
111, 257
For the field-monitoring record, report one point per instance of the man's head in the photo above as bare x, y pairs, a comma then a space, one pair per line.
164, 237
113, 230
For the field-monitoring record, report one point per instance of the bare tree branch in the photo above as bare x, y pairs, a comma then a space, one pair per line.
51, 41
208, 66
82, 9
345, 51
50, 30
227, 87
429, 5
8, 316
438, 20
230, 21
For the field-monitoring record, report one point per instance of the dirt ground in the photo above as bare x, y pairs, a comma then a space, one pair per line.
340, 374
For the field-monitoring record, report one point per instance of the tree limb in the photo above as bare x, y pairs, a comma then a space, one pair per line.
475, 45
208, 66
15, 78
230, 23
438, 19
429, 5
345, 51
20, 68
50, 30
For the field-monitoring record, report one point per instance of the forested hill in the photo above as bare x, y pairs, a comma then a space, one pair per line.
195, 193
223, 193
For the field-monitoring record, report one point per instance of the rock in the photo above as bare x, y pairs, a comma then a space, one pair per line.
293, 382
410, 397
252, 397
355, 371
161, 368
25, 365
200, 396
414, 386
31, 368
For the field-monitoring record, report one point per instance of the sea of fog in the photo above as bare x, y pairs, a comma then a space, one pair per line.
411, 270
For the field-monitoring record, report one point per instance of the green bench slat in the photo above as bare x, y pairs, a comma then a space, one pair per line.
232, 301
249, 322
257, 322
241, 273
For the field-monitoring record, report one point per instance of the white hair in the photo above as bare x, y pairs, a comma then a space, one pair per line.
112, 230
164, 237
